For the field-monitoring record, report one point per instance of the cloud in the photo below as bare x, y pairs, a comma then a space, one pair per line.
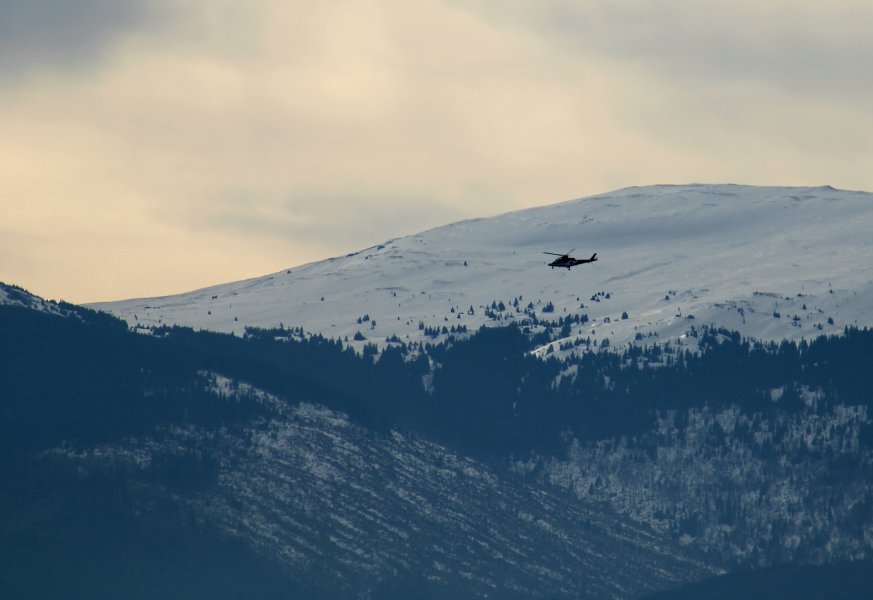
774, 92
62, 34
342, 223
221, 139
808, 48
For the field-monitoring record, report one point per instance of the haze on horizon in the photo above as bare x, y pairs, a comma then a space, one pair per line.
154, 146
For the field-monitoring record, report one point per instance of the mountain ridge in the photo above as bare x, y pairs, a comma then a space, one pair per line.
773, 263
108, 434
340, 465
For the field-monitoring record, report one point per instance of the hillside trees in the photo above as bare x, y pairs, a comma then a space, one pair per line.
87, 378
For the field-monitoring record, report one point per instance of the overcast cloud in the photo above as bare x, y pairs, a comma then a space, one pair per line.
151, 147
62, 34
806, 47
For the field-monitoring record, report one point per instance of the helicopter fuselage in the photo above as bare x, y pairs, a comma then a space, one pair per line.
569, 262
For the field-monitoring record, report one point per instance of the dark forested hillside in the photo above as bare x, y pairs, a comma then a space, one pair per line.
753, 454
490, 394
189, 464
852, 581
87, 378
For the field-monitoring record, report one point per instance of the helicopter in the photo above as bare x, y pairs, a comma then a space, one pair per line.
565, 260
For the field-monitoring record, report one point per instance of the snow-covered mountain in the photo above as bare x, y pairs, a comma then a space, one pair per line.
351, 475
13, 295
335, 504
770, 262
140, 471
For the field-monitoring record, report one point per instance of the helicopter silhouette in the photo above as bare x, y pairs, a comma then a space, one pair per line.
565, 260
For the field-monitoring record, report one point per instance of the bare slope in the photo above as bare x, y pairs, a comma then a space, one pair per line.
772, 263
348, 511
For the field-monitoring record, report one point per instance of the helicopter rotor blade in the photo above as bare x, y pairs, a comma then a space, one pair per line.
554, 253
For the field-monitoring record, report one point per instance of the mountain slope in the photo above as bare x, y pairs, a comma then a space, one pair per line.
13, 295
123, 448
350, 512
852, 581
771, 263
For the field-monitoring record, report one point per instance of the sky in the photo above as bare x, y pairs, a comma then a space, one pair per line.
150, 147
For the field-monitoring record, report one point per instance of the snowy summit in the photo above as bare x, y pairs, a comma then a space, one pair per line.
770, 262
